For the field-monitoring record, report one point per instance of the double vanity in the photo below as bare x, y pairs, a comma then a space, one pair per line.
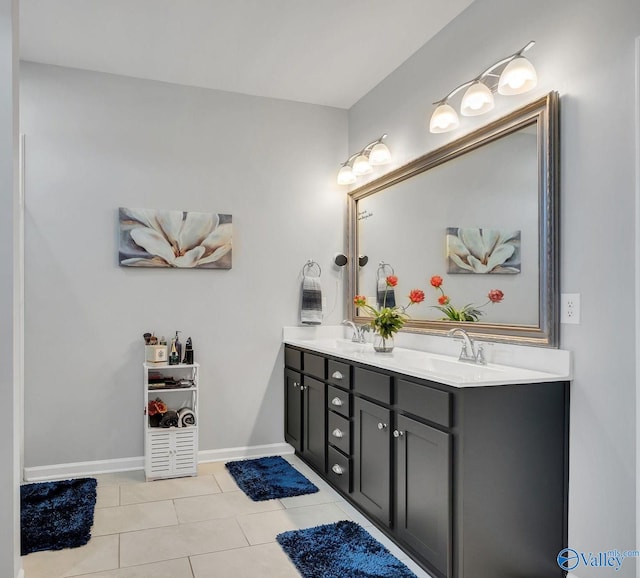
464, 465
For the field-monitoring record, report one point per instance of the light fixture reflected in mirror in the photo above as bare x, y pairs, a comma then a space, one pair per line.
511, 75
361, 163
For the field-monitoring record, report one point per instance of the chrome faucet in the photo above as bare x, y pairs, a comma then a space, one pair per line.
358, 331
468, 352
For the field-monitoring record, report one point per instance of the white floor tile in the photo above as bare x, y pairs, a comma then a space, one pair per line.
319, 497
158, 544
263, 528
180, 568
107, 496
225, 481
120, 478
168, 489
134, 517
354, 514
101, 553
265, 560
225, 505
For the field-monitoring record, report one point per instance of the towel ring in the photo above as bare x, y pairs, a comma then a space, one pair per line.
382, 266
309, 265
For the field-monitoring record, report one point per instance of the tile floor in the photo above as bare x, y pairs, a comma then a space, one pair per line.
201, 527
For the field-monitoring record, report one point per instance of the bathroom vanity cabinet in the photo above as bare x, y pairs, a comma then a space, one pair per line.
472, 481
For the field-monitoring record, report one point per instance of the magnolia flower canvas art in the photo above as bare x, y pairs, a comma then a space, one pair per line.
474, 250
187, 240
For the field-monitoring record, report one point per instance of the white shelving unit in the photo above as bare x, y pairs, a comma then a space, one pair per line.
171, 452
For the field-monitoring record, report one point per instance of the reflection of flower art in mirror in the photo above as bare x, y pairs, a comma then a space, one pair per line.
150, 238
472, 250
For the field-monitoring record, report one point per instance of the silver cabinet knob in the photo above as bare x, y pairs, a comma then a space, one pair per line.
295, 384
337, 433
302, 388
337, 402
397, 434
337, 469
382, 425
337, 375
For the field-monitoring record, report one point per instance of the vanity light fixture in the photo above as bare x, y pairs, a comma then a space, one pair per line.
362, 162
511, 75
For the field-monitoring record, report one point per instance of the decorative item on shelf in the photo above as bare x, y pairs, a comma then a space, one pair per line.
361, 163
388, 320
178, 346
186, 417
511, 75
188, 352
169, 419
174, 359
469, 312
154, 353
156, 408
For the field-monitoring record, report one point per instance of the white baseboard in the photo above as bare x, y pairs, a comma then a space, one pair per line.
79, 469
21, 573
244, 452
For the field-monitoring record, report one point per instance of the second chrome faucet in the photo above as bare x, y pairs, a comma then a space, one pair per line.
468, 353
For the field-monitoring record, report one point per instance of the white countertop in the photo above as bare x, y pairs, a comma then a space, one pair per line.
436, 358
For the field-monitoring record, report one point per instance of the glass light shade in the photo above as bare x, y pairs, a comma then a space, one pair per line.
518, 76
444, 119
346, 176
477, 100
361, 165
380, 154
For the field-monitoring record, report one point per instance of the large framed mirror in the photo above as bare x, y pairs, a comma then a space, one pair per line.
481, 213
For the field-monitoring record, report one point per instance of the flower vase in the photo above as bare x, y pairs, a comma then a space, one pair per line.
382, 344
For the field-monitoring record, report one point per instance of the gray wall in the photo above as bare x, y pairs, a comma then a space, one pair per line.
95, 142
585, 50
9, 436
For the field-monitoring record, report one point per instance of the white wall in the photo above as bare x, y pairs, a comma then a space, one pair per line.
585, 50
96, 142
9, 436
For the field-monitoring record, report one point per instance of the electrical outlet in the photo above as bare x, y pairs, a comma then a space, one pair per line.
570, 308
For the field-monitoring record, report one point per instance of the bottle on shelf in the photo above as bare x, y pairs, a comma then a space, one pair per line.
174, 358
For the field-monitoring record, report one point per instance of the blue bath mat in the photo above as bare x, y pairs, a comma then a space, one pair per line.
269, 478
340, 550
56, 515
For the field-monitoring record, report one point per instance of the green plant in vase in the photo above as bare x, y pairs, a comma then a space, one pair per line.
387, 321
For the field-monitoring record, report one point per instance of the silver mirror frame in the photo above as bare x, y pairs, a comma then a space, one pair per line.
544, 113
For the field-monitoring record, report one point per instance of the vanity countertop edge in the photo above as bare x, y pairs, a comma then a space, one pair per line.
507, 364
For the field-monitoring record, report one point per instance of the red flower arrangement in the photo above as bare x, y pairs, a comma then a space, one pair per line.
388, 320
469, 312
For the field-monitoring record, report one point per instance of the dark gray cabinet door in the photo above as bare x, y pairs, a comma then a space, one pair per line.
423, 490
314, 419
371, 459
293, 409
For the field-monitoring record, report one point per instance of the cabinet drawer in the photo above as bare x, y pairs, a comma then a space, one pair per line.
339, 432
313, 365
339, 470
292, 358
339, 374
424, 401
338, 401
372, 384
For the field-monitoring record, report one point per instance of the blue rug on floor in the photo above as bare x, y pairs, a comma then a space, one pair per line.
340, 550
269, 478
56, 515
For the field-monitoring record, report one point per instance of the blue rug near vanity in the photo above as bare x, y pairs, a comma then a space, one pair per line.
269, 478
56, 515
340, 550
